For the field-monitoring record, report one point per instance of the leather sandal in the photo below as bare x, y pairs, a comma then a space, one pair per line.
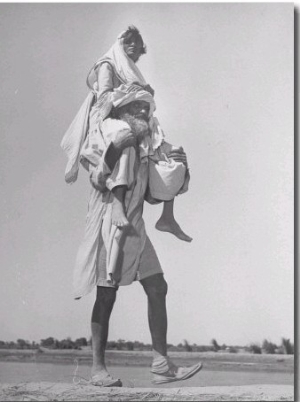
176, 373
107, 381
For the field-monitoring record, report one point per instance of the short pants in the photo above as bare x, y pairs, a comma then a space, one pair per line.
149, 265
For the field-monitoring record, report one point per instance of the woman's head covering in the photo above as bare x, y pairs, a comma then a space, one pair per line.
125, 68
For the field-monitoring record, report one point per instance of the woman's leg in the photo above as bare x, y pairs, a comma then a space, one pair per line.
167, 222
118, 214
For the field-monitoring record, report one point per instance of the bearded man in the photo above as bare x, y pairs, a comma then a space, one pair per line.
112, 255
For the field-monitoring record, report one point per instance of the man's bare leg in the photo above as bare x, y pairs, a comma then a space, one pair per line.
163, 368
118, 215
103, 306
156, 289
167, 223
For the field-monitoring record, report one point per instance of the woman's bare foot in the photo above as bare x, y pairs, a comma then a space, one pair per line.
118, 215
172, 227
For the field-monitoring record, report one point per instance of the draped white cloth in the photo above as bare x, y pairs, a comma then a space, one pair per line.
128, 73
74, 139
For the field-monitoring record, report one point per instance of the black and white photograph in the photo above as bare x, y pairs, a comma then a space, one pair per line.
147, 201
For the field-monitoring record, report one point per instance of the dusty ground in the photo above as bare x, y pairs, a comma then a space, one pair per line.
69, 392
47, 391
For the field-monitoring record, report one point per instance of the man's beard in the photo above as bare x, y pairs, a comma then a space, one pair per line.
138, 125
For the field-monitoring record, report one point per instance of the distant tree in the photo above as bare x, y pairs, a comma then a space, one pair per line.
187, 346
81, 342
115, 345
215, 345
255, 348
288, 348
268, 347
48, 342
112, 345
120, 344
129, 345
3, 345
22, 344
137, 345
67, 344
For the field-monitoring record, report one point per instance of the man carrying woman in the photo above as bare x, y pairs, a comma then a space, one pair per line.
116, 138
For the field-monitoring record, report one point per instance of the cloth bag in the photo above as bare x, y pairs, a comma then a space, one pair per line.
166, 177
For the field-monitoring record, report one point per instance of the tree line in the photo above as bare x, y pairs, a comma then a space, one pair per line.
266, 347
286, 347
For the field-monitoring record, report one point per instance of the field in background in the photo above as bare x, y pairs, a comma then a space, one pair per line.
211, 360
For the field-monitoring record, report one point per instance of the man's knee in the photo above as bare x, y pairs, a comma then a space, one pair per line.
106, 295
104, 304
155, 285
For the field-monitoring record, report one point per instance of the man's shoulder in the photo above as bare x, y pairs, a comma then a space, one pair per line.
114, 125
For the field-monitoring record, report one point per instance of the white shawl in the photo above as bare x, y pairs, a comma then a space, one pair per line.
125, 68
128, 73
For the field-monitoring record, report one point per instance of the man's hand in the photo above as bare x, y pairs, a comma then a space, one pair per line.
178, 155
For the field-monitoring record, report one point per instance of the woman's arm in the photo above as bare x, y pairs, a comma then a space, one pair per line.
105, 79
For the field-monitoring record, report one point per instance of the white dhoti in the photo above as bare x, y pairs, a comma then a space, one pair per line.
109, 256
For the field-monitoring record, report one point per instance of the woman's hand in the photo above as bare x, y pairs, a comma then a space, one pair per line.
149, 89
178, 155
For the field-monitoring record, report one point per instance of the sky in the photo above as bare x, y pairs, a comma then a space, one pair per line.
223, 80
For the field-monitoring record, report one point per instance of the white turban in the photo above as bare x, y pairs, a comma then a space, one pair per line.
125, 94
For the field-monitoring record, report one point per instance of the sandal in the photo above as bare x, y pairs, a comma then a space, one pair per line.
108, 381
175, 373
